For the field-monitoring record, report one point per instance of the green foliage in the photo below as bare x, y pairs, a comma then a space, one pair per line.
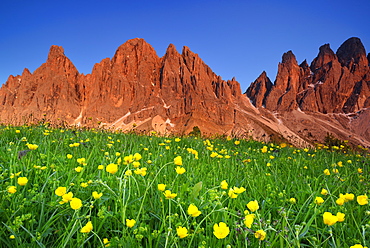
196, 132
333, 142
221, 177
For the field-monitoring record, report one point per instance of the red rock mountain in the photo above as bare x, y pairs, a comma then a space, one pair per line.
138, 90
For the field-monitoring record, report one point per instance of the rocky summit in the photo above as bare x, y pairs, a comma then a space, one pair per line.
136, 90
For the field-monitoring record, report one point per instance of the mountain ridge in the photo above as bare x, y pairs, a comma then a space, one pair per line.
138, 90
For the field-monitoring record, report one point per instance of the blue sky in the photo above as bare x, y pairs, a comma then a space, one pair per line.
235, 38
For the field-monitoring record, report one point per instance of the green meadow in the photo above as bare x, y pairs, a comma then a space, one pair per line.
80, 188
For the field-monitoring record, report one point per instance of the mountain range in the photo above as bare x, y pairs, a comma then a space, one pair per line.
139, 91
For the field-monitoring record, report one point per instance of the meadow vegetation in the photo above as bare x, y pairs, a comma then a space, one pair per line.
79, 188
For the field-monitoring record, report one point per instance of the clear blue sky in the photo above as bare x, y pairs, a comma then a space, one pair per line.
238, 38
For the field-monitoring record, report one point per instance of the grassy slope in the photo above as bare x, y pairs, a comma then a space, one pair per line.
35, 217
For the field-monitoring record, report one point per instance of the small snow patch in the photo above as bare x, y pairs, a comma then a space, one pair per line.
168, 121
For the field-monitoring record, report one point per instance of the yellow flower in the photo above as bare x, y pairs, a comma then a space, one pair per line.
12, 236
180, 170
319, 200
161, 187
340, 216
96, 195
253, 205
128, 159
130, 223
106, 242
17, 131
75, 203
362, 199
327, 172
359, 170
22, 181
169, 195
78, 169
292, 200
136, 164
329, 218
119, 160
193, 210
137, 156
264, 149
237, 142
81, 161
260, 234
60, 191
248, 221
349, 197
358, 246
12, 189
66, 197
182, 232
141, 171
69, 156
112, 168
239, 190
232, 194
87, 228
336, 171
101, 167
177, 160
214, 154
84, 185
272, 157
324, 192
128, 173
221, 230
340, 201
224, 184
32, 146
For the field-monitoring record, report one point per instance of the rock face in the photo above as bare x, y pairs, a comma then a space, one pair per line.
334, 83
134, 89
137, 90
259, 89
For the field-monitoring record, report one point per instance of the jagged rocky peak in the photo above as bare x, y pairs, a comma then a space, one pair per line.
26, 72
190, 58
171, 50
324, 57
304, 64
57, 61
351, 50
259, 89
289, 58
55, 52
137, 49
